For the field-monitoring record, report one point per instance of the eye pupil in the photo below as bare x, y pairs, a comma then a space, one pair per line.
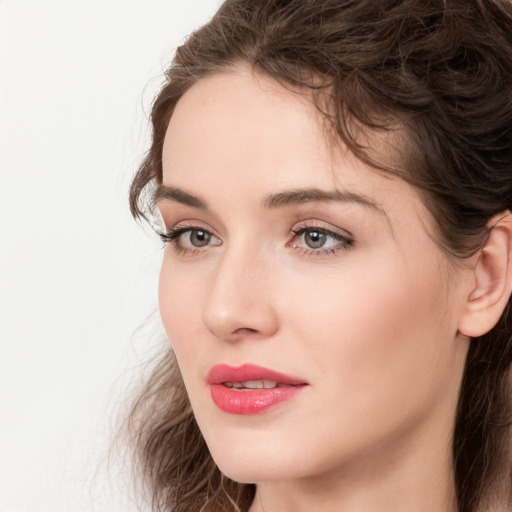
315, 239
199, 238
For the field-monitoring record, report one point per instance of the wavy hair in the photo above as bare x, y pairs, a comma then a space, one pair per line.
439, 69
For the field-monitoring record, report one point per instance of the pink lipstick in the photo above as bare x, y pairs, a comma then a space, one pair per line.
250, 389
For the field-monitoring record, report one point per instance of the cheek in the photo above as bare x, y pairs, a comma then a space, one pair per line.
373, 325
378, 348
180, 305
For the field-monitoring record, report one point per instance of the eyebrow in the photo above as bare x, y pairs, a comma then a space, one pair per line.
312, 195
179, 196
277, 200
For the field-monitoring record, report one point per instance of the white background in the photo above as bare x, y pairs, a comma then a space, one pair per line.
77, 276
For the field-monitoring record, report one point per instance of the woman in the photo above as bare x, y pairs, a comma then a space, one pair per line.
333, 180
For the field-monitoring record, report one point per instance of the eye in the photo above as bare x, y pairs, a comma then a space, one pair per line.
197, 237
314, 240
191, 239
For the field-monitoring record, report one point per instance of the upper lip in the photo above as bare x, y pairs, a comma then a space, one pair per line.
224, 373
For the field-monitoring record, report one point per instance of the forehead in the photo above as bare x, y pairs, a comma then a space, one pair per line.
242, 121
242, 133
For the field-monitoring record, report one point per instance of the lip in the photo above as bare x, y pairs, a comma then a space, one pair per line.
250, 401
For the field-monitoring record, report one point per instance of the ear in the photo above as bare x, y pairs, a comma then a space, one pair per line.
492, 280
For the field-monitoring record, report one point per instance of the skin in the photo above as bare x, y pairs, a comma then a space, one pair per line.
372, 325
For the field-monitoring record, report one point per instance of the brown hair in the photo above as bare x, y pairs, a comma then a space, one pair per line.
441, 70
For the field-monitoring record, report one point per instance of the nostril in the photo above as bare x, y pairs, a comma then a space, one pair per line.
245, 331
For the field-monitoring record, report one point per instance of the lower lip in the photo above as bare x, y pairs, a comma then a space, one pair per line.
251, 401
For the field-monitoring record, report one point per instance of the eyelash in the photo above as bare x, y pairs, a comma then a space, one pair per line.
345, 241
173, 236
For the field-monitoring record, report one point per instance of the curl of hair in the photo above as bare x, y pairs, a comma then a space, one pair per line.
439, 69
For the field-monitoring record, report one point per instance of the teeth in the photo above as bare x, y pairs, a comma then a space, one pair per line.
259, 384
252, 384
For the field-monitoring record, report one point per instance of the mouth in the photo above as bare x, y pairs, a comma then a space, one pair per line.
255, 384
250, 389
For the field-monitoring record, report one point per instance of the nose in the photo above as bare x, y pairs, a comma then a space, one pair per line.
239, 302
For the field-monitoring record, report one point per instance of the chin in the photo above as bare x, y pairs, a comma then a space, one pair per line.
252, 459
250, 472
244, 464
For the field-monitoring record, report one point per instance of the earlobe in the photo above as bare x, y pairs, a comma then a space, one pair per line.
492, 277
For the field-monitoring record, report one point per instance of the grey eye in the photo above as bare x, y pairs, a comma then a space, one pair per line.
315, 239
199, 238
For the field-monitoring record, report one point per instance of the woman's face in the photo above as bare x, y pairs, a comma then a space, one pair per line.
291, 256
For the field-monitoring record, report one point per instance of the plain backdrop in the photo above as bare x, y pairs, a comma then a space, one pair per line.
77, 275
